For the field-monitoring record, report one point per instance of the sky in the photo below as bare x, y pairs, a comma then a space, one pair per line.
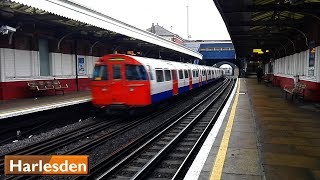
205, 21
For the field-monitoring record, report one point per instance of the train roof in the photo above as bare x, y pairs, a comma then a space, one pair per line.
160, 63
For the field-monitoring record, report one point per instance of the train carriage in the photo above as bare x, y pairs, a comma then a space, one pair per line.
129, 81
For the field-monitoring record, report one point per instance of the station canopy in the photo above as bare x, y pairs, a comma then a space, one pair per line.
67, 16
277, 27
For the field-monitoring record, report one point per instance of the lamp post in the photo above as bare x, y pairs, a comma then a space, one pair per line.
188, 22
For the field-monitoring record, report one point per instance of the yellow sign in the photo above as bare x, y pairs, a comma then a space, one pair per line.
259, 51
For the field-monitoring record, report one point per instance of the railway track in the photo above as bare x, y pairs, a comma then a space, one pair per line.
54, 143
59, 141
172, 139
25, 126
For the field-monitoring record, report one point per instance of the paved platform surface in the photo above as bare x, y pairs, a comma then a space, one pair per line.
271, 137
18, 107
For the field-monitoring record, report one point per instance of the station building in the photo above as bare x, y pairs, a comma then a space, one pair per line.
61, 40
166, 34
216, 53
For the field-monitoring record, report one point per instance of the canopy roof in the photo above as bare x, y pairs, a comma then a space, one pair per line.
281, 26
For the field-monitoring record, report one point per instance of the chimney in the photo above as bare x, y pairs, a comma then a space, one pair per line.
153, 29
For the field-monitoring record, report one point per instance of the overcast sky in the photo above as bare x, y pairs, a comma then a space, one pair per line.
205, 22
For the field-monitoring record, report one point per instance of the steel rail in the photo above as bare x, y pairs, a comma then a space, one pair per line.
91, 145
151, 136
43, 147
195, 149
152, 162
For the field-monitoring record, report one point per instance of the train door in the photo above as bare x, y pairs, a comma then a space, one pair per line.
190, 79
200, 77
174, 82
118, 89
206, 75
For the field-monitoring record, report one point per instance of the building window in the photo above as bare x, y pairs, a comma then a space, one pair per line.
44, 57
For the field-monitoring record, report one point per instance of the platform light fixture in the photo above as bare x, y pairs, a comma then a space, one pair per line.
258, 51
6, 29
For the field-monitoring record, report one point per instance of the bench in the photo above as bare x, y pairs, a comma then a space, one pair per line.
58, 87
296, 91
268, 79
38, 87
44, 86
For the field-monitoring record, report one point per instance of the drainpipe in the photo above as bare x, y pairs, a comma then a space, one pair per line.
76, 55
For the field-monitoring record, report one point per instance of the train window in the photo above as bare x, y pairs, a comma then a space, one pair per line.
116, 71
203, 72
180, 74
167, 75
190, 72
135, 72
197, 73
149, 71
194, 73
209, 72
186, 74
159, 75
100, 73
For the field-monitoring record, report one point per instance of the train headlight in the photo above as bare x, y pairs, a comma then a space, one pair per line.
104, 89
131, 89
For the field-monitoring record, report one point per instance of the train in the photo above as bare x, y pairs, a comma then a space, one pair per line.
126, 81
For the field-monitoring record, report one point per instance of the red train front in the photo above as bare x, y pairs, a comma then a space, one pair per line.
120, 81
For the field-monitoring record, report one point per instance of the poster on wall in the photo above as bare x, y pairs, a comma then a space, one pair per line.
81, 65
312, 54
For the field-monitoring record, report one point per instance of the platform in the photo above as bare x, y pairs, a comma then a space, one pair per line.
268, 137
19, 107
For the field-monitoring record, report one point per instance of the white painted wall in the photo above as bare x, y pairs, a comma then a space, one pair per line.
298, 64
19, 65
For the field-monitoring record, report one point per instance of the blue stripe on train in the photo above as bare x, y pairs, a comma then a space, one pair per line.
167, 94
195, 85
161, 96
183, 89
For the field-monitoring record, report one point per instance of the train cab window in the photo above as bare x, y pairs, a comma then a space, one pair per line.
159, 75
180, 74
136, 72
186, 75
167, 75
116, 71
100, 73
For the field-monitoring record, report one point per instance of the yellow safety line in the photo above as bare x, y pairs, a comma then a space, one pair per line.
219, 162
